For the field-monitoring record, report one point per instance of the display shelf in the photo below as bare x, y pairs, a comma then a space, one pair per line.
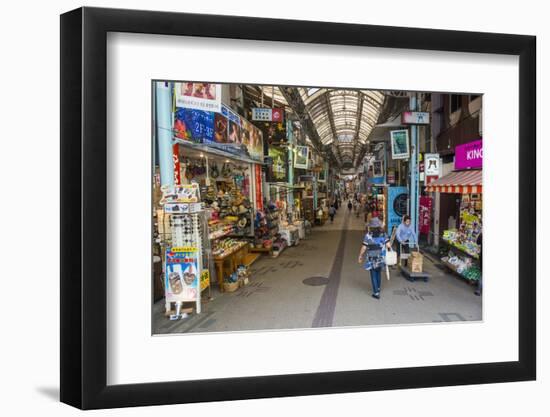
452, 246
453, 268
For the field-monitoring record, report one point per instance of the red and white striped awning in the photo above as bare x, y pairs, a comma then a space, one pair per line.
458, 182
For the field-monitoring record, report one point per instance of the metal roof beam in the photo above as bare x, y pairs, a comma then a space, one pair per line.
294, 100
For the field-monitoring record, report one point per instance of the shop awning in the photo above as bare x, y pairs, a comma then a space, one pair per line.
458, 182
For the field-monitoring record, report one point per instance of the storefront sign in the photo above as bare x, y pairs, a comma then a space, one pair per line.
200, 96
259, 194
415, 118
400, 144
301, 157
267, 114
469, 155
432, 164
398, 199
181, 277
194, 125
425, 215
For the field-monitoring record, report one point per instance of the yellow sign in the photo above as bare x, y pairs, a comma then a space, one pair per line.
184, 249
205, 279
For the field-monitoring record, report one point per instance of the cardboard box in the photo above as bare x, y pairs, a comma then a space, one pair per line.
416, 261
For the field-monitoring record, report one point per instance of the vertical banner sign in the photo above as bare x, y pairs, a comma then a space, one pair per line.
398, 198
182, 274
258, 179
425, 215
177, 172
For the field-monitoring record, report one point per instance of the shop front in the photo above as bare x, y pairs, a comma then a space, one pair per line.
462, 238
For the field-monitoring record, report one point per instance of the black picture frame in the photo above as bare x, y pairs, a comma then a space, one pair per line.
84, 207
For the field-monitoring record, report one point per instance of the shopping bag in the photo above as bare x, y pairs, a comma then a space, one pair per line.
391, 258
387, 273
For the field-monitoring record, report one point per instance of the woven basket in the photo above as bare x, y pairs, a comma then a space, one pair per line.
230, 286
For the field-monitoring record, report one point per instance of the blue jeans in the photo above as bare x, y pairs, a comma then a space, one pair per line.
375, 277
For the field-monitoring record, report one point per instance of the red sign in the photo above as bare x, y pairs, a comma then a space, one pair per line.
258, 179
277, 115
177, 173
425, 215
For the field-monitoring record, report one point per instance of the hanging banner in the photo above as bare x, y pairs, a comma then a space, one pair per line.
258, 179
398, 199
469, 155
378, 168
400, 144
199, 96
177, 167
182, 276
301, 157
194, 125
390, 177
277, 165
425, 215
272, 133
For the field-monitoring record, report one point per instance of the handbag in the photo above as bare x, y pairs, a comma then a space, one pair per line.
391, 258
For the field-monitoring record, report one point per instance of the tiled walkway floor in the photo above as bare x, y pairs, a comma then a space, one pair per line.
277, 297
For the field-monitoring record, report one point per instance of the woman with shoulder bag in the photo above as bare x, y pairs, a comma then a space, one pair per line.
372, 254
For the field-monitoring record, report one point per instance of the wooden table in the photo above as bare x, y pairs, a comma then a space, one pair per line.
227, 263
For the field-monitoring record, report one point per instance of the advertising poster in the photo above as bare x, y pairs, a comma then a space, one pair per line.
233, 125
182, 274
251, 137
277, 165
398, 206
199, 96
220, 128
194, 125
301, 157
425, 215
400, 144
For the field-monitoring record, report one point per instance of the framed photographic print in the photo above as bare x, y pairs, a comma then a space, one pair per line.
400, 144
187, 234
301, 157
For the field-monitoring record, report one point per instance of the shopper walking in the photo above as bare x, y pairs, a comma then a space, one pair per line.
350, 205
405, 236
372, 255
331, 213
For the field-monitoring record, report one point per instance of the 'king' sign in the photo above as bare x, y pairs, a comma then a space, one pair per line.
469, 155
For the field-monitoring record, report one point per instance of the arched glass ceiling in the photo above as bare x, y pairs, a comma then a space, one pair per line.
342, 117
